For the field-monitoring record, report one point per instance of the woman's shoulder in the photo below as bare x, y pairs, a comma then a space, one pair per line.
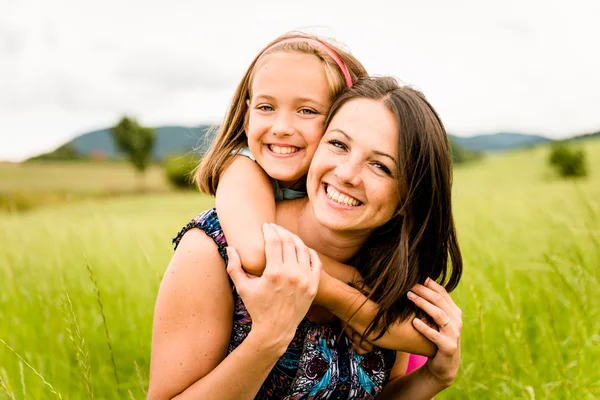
208, 222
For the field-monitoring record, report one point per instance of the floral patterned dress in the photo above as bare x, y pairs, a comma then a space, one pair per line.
319, 362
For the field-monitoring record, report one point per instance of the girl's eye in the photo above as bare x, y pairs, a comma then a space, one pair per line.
338, 144
383, 168
265, 107
307, 111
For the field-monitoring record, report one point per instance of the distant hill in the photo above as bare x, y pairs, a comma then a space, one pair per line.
169, 140
499, 141
181, 139
595, 135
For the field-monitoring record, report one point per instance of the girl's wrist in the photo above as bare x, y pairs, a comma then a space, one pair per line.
323, 297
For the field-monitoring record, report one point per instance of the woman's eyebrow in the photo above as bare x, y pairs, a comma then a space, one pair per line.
381, 153
342, 132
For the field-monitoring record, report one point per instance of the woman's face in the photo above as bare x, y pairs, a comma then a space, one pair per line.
352, 182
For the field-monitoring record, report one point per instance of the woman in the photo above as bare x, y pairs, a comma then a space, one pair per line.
386, 150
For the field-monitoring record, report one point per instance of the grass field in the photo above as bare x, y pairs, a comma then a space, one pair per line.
78, 284
28, 185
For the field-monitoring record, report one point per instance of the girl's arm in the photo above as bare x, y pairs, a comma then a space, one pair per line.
244, 201
343, 301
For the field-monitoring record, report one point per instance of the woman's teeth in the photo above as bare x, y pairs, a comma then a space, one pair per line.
283, 149
341, 198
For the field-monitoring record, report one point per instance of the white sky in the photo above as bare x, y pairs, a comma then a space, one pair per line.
69, 66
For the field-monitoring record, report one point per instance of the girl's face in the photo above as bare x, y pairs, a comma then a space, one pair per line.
352, 182
290, 97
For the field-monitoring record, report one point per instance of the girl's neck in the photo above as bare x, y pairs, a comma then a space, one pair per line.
297, 216
299, 184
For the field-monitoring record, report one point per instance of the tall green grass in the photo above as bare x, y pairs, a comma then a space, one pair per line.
78, 284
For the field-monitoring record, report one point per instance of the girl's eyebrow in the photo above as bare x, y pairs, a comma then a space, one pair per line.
299, 99
378, 152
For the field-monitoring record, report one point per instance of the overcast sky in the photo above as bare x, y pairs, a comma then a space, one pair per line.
70, 66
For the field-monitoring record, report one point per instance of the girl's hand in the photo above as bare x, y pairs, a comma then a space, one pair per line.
279, 299
359, 347
435, 301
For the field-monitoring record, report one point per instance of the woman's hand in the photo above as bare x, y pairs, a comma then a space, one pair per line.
279, 299
435, 301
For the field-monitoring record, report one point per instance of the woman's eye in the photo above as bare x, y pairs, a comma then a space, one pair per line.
307, 111
383, 168
338, 144
265, 108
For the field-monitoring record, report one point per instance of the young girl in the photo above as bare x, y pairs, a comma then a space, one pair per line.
262, 153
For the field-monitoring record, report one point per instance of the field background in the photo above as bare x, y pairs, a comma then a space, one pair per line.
79, 277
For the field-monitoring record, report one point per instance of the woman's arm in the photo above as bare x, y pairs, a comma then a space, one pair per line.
352, 307
245, 201
191, 330
440, 371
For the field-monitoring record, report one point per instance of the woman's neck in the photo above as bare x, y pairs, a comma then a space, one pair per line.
297, 216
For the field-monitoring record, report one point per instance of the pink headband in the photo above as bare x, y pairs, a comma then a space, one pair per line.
321, 46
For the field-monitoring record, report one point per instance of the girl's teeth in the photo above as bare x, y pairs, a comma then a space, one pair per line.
341, 198
283, 150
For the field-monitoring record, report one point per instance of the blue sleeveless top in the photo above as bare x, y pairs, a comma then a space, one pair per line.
319, 363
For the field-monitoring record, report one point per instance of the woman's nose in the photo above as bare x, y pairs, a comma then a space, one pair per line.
348, 172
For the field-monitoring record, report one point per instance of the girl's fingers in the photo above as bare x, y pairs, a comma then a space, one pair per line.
273, 252
359, 348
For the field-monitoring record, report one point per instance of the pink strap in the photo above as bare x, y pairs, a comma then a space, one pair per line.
415, 361
321, 46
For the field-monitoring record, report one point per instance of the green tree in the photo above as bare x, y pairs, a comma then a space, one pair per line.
179, 170
460, 154
137, 142
569, 162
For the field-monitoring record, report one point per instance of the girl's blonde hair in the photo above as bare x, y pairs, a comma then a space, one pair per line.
231, 137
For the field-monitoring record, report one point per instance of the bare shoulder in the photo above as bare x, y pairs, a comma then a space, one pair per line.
192, 316
241, 167
195, 251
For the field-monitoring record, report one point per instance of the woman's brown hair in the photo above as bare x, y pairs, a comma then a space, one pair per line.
420, 240
231, 137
